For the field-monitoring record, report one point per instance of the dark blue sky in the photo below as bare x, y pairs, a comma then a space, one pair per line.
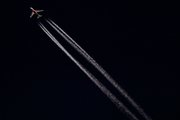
135, 42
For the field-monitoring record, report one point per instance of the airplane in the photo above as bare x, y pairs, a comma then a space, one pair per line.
35, 12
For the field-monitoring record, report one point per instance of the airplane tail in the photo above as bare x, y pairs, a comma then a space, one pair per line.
39, 16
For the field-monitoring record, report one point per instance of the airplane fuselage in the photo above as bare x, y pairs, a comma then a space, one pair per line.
34, 11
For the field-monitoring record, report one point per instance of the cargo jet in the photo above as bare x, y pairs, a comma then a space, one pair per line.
35, 12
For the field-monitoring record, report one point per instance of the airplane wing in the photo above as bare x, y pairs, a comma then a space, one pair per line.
39, 10
32, 14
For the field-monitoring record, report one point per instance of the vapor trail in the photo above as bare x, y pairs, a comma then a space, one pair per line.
120, 105
98, 67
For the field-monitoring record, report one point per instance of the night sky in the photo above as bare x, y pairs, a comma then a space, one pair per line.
134, 41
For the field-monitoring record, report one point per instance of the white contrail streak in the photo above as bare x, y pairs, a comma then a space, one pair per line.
98, 67
96, 81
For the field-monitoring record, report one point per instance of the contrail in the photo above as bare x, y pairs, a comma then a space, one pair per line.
119, 104
98, 67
